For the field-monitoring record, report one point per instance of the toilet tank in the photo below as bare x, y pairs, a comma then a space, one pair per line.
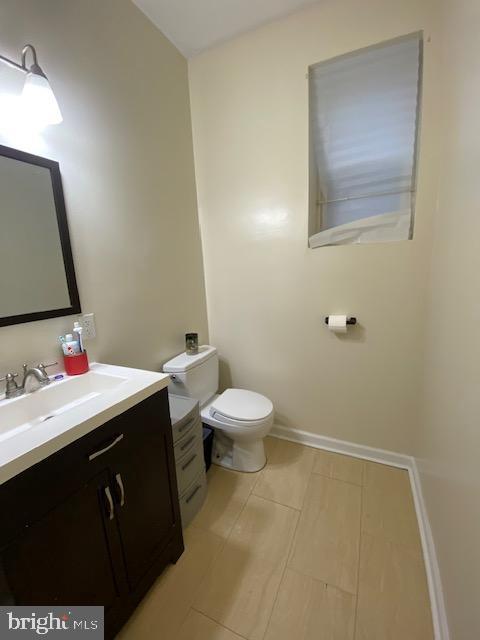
194, 376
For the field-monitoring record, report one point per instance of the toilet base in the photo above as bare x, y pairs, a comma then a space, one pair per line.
237, 455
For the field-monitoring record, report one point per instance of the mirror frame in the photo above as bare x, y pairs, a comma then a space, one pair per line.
75, 307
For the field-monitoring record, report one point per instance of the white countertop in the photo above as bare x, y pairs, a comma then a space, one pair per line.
31, 442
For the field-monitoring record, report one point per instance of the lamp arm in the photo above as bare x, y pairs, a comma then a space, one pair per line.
25, 50
23, 67
13, 64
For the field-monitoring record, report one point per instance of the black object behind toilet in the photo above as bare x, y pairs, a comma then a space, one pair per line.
207, 446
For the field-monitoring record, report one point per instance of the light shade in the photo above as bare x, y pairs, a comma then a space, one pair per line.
38, 100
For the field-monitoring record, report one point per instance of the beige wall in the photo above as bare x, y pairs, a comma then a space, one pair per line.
125, 153
448, 444
267, 292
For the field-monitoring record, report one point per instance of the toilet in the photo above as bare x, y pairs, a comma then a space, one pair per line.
241, 419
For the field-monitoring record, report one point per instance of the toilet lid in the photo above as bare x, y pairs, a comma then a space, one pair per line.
240, 404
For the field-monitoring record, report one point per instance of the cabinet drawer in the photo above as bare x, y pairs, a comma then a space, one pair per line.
189, 467
184, 412
189, 441
179, 430
192, 499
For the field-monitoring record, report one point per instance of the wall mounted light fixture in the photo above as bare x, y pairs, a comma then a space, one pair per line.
38, 99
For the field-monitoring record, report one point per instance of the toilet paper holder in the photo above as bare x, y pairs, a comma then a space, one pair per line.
351, 320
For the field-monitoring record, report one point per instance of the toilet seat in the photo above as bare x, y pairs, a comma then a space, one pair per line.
239, 407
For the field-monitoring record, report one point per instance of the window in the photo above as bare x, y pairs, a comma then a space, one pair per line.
364, 112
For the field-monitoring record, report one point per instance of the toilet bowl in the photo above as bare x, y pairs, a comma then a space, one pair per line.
241, 418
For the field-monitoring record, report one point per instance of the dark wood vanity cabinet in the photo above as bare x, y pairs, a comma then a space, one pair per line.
96, 522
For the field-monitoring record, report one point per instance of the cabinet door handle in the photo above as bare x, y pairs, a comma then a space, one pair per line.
194, 492
189, 462
94, 455
119, 480
110, 508
187, 443
186, 425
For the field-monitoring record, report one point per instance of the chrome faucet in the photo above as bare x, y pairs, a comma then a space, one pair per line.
38, 373
13, 390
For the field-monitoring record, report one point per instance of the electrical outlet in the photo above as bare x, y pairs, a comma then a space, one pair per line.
87, 322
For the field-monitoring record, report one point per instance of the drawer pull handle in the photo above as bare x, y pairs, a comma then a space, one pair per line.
189, 462
194, 493
186, 444
110, 509
119, 480
186, 425
92, 456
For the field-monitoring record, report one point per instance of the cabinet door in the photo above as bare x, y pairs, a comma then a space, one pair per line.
144, 481
68, 556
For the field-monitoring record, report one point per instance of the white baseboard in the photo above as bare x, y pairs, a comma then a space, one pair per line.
342, 446
402, 461
439, 612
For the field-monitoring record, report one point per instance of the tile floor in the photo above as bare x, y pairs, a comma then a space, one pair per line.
316, 546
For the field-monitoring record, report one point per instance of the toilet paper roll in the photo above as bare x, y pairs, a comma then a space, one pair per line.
338, 324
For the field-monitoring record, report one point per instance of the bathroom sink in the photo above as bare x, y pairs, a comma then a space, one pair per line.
57, 398
35, 425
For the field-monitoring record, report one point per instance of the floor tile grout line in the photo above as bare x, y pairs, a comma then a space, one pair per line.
285, 567
300, 515
218, 622
355, 617
260, 476
251, 493
287, 558
306, 488
212, 533
280, 504
403, 546
355, 595
331, 477
217, 555
227, 538
261, 472
325, 583
209, 567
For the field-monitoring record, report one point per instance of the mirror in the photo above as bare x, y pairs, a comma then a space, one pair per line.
37, 276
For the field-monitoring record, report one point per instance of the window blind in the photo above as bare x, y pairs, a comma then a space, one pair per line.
363, 129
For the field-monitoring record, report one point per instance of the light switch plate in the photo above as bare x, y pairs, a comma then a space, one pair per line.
88, 324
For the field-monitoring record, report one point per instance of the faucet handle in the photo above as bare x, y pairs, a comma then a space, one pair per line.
42, 366
12, 390
45, 366
9, 378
